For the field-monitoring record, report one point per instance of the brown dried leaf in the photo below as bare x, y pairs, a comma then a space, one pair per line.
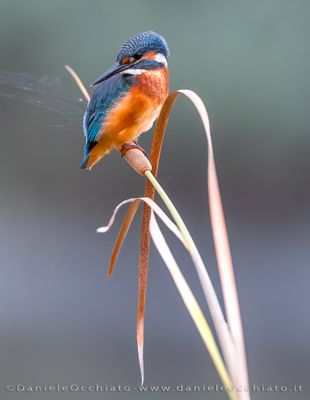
122, 234
146, 217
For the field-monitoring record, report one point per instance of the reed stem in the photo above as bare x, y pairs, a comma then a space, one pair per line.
197, 315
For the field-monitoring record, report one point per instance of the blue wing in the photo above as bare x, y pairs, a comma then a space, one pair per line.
103, 98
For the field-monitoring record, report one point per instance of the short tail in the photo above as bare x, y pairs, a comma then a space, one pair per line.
84, 162
89, 161
94, 155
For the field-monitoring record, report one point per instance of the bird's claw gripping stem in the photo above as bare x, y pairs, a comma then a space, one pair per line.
129, 146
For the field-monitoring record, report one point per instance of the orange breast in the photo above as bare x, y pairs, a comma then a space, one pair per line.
137, 110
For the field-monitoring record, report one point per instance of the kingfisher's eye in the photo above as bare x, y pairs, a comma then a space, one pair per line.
127, 60
137, 56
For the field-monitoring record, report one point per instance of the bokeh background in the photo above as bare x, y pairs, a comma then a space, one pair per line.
62, 320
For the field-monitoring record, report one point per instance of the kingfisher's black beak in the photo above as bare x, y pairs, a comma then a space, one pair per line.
115, 69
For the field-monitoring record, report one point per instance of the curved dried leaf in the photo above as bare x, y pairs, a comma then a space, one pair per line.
153, 206
222, 248
122, 234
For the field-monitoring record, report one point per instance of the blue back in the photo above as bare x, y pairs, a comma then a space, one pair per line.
104, 97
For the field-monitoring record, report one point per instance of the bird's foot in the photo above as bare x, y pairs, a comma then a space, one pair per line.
129, 146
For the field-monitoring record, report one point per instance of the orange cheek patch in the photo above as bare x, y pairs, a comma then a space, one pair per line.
126, 60
149, 56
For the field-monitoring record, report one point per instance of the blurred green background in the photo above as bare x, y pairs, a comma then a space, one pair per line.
61, 320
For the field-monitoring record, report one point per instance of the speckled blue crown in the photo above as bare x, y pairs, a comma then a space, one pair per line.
143, 43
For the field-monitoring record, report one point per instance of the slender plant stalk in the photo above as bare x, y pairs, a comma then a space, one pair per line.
78, 82
145, 237
221, 327
189, 243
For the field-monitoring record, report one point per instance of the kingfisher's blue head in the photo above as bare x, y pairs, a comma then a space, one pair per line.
145, 51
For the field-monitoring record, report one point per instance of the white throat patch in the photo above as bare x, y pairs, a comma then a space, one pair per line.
133, 71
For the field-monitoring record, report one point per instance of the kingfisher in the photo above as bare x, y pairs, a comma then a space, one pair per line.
127, 97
